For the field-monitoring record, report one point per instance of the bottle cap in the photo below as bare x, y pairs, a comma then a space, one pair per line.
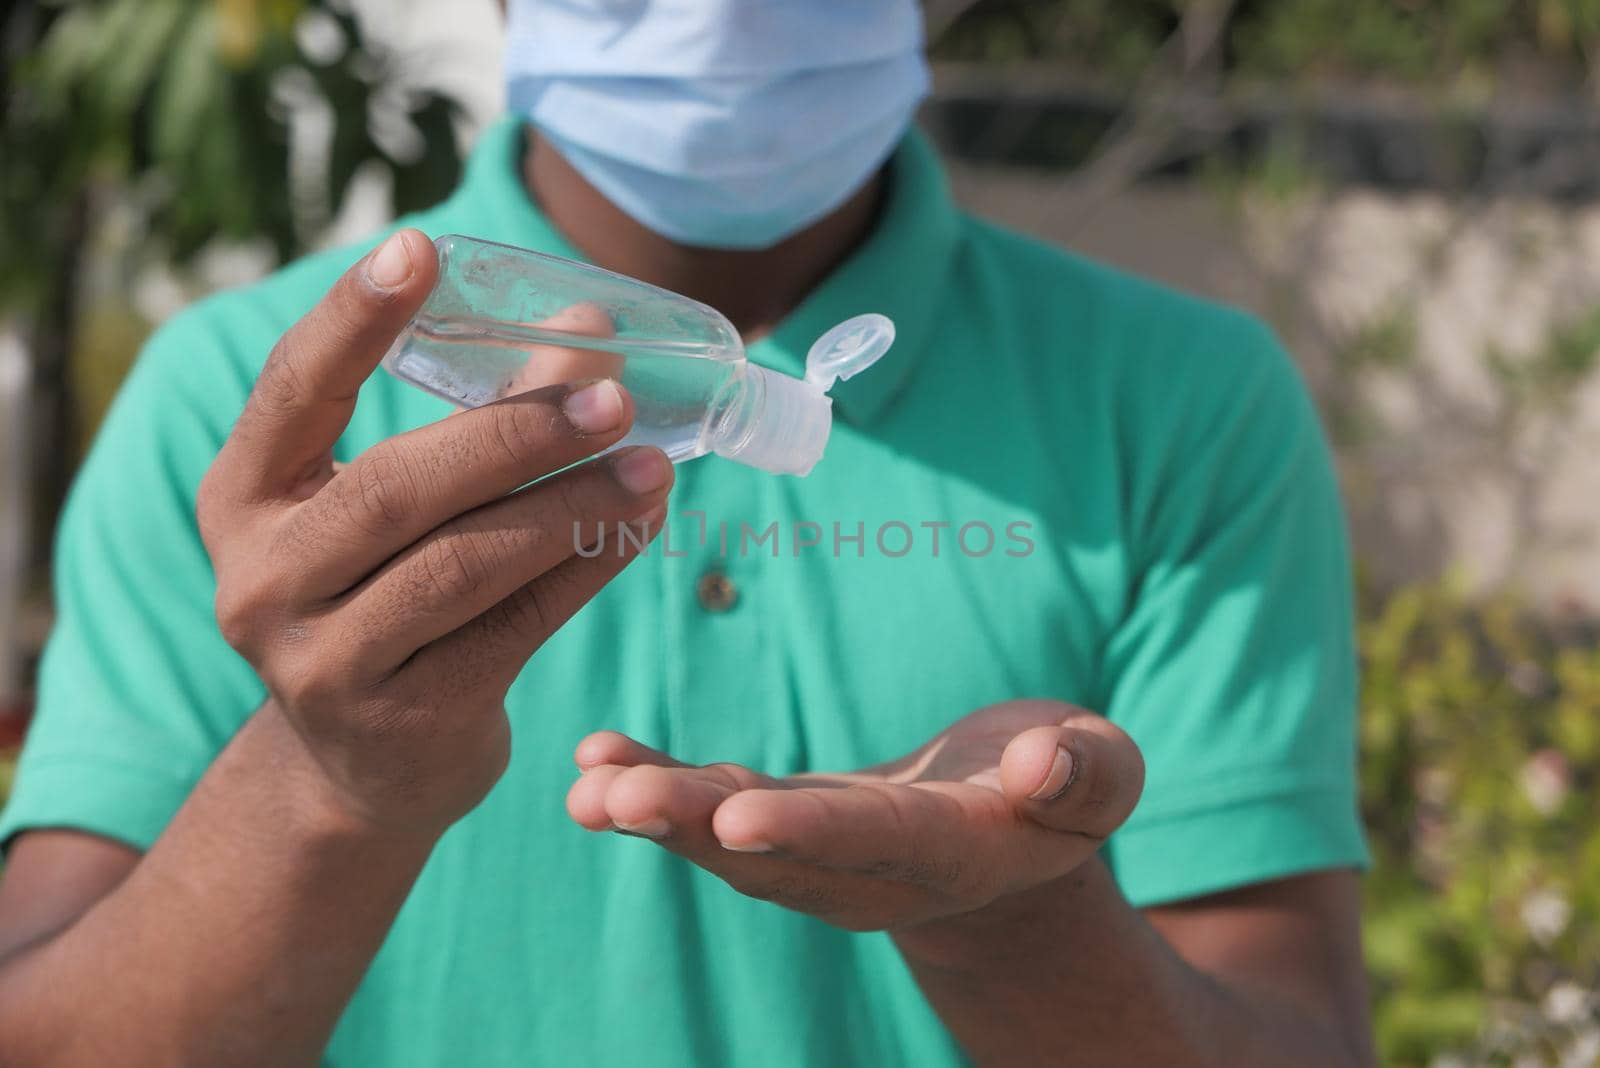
848, 349
794, 417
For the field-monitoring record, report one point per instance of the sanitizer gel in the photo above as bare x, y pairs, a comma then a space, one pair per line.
504, 320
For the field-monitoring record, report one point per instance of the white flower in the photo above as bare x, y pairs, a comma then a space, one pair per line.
1567, 1004
1545, 914
1545, 780
1584, 1051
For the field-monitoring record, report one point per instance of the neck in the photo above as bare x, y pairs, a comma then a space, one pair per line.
754, 288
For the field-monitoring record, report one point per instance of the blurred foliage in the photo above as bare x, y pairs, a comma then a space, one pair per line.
1480, 742
1461, 42
1552, 375
136, 134
181, 109
109, 336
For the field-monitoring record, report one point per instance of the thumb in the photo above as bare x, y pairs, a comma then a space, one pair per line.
1083, 776
307, 389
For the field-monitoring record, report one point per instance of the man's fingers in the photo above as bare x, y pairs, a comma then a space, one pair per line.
653, 801
550, 364
614, 747
471, 563
1083, 777
586, 800
656, 797
494, 647
675, 806
955, 840
402, 488
305, 394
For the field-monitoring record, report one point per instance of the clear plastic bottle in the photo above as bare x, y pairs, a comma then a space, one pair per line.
504, 320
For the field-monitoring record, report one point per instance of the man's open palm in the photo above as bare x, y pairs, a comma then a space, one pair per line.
1010, 797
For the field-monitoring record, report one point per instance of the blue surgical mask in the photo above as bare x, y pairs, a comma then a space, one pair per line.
719, 123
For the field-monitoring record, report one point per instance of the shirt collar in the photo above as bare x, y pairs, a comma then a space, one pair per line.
900, 270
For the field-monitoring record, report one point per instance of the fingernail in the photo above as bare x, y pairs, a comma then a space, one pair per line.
390, 266
1055, 784
748, 847
595, 408
656, 828
642, 470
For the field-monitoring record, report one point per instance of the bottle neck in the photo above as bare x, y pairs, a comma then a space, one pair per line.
738, 408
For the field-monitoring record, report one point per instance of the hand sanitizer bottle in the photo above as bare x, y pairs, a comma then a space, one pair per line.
504, 320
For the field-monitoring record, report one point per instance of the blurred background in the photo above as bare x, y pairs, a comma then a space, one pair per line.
1409, 190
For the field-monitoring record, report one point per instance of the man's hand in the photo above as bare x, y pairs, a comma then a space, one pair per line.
1009, 798
977, 852
389, 604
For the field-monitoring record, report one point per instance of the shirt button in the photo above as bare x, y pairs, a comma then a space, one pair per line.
716, 591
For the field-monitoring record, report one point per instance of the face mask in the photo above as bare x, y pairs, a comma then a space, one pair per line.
719, 123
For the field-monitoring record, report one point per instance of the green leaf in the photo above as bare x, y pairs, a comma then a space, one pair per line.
190, 86
135, 36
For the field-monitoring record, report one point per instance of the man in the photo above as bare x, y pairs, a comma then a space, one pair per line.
271, 812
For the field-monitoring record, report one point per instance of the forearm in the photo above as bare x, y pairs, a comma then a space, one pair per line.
237, 940
1071, 972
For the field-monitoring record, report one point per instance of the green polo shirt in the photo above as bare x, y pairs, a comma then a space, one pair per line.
1061, 482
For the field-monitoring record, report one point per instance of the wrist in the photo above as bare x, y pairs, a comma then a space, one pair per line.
1014, 924
316, 806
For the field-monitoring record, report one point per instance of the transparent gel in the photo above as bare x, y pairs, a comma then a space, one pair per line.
504, 320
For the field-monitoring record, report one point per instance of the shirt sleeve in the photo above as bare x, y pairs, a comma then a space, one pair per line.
137, 689
1233, 666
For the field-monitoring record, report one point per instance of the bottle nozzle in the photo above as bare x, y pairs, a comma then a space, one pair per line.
790, 431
